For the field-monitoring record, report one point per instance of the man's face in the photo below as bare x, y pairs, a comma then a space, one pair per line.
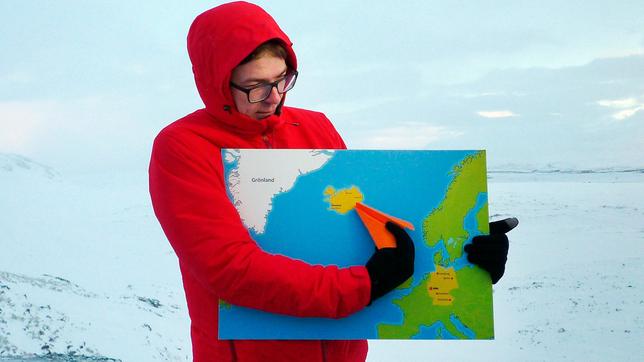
266, 69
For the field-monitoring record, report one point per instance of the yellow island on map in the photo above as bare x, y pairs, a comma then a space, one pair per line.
440, 284
343, 200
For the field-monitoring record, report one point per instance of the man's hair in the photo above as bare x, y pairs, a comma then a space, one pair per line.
272, 47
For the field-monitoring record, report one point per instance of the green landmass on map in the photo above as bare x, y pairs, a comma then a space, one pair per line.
470, 294
445, 223
471, 301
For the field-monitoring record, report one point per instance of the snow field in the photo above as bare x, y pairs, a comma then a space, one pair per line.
86, 271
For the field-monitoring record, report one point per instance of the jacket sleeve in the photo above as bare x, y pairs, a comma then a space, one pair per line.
189, 199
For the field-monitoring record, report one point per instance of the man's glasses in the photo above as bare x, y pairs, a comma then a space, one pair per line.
262, 91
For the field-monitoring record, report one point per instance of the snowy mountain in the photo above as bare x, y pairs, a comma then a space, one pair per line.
13, 163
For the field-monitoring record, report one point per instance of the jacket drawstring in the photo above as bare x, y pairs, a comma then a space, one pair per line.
267, 140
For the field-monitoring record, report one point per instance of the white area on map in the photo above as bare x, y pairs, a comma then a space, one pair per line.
255, 181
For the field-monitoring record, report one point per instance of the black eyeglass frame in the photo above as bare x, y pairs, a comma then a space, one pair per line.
272, 85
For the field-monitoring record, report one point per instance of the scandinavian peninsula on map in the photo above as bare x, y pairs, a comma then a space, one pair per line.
301, 203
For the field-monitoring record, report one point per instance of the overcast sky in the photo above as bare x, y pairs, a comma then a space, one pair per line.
86, 86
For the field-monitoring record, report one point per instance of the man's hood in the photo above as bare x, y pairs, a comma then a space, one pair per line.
218, 40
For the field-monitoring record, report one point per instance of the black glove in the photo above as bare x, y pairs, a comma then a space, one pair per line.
390, 267
490, 252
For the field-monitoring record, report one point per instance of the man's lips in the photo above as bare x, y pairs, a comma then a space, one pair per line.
265, 114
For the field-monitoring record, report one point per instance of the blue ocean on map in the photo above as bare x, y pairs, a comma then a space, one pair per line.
405, 184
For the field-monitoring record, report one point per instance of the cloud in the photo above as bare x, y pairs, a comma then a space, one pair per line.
497, 114
619, 103
627, 113
21, 123
585, 115
410, 135
481, 94
627, 107
83, 132
19, 77
341, 107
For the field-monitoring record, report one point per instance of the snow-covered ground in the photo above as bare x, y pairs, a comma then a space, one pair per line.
86, 271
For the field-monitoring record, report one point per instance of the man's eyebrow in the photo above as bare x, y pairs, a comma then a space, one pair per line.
260, 80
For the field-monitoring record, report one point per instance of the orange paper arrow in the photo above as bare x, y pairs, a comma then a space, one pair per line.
375, 221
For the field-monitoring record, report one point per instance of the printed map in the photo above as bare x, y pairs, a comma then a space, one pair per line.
301, 203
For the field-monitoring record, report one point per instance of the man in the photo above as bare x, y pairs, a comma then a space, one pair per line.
243, 65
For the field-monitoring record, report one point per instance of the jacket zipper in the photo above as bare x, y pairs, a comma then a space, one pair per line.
323, 351
267, 141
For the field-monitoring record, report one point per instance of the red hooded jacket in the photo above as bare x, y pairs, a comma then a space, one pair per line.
217, 256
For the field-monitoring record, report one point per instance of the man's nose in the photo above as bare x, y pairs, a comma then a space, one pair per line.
274, 96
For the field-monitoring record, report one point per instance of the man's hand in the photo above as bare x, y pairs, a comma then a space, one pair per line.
490, 252
390, 267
